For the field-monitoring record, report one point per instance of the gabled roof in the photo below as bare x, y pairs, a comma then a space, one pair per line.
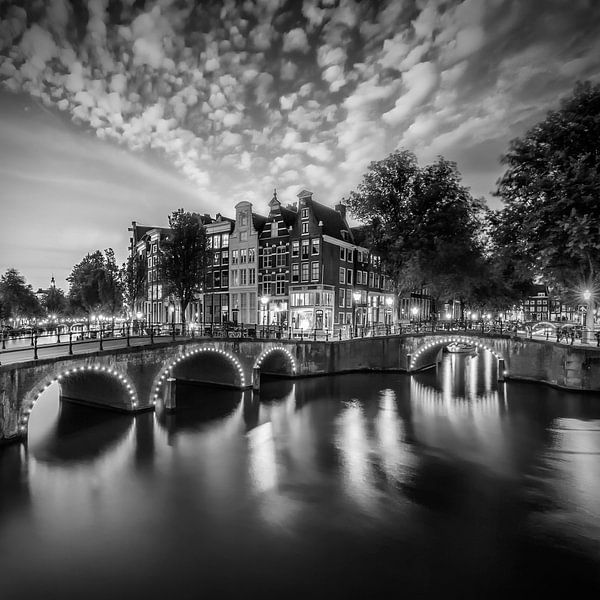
333, 222
289, 216
258, 221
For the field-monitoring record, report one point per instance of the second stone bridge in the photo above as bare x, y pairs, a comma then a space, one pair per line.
139, 377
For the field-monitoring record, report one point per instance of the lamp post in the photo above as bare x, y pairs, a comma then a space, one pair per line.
415, 311
356, 298
264, 301
588, 330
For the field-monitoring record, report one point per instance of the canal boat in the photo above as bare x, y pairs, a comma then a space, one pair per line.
461, 348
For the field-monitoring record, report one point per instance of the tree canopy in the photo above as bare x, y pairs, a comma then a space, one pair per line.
133, 276
55, 301
95, 284
550, 187
423, 222
17, 296
185, 257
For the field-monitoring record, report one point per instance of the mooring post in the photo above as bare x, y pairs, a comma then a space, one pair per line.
170, 394
408, 359
256, 379
501, 369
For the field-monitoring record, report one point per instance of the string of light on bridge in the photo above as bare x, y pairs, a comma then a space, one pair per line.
191, 353
123, 379
447, 340
266, 353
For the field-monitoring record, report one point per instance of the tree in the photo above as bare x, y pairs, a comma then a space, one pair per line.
17, 297
111, 285
95, 285
55, 301
133, 276
185, 258
550, 188
423, 223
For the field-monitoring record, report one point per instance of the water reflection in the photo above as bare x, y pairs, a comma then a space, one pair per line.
447, 482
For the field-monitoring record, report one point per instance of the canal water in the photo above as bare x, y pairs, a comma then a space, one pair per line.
440, 485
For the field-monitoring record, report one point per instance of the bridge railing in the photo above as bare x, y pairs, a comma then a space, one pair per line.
125, 334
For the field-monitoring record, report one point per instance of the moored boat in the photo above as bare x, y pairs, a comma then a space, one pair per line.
461, 348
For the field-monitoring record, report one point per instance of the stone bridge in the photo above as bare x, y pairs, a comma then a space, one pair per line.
140, 377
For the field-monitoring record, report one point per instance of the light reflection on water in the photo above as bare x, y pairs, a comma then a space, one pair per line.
442, 483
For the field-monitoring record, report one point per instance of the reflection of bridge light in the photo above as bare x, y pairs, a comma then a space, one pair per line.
261, 455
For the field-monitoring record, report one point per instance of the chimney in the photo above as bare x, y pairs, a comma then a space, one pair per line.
341, 208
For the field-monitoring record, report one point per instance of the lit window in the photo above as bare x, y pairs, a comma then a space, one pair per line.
281, 258
280, 284
315, 271
342, 275
295, 272
305, 271
305, 213
304, 228
304, 249
295, 248
251, 255
243, 256
252, 279
234, 257
315, 246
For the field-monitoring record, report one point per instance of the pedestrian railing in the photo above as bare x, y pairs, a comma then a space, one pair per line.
138, 333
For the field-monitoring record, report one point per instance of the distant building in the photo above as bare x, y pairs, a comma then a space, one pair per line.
216, 293
243, 264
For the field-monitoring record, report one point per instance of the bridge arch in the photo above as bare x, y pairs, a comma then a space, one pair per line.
268, 351
448, 339
34, 394
166, 370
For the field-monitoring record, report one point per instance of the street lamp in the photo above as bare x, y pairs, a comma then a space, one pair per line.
588, 330
414, 310
264, 300
356, 298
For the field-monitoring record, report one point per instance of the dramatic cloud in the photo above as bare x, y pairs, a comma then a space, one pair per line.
241, 97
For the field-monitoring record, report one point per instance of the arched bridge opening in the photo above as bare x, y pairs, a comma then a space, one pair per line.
92, 384
202, 365
429, 353
276, 361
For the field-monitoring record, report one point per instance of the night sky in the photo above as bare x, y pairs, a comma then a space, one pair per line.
112, 111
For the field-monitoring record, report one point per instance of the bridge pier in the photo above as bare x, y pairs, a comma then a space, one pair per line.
408, 359
170, 399
501, 369
256, 379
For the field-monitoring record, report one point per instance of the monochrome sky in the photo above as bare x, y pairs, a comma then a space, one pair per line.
121, 110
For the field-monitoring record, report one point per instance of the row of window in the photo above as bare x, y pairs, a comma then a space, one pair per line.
274, 259
316, 298
243, 302
243, 277
301, 271
218, 240
273, 288
243, 255
309, 247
